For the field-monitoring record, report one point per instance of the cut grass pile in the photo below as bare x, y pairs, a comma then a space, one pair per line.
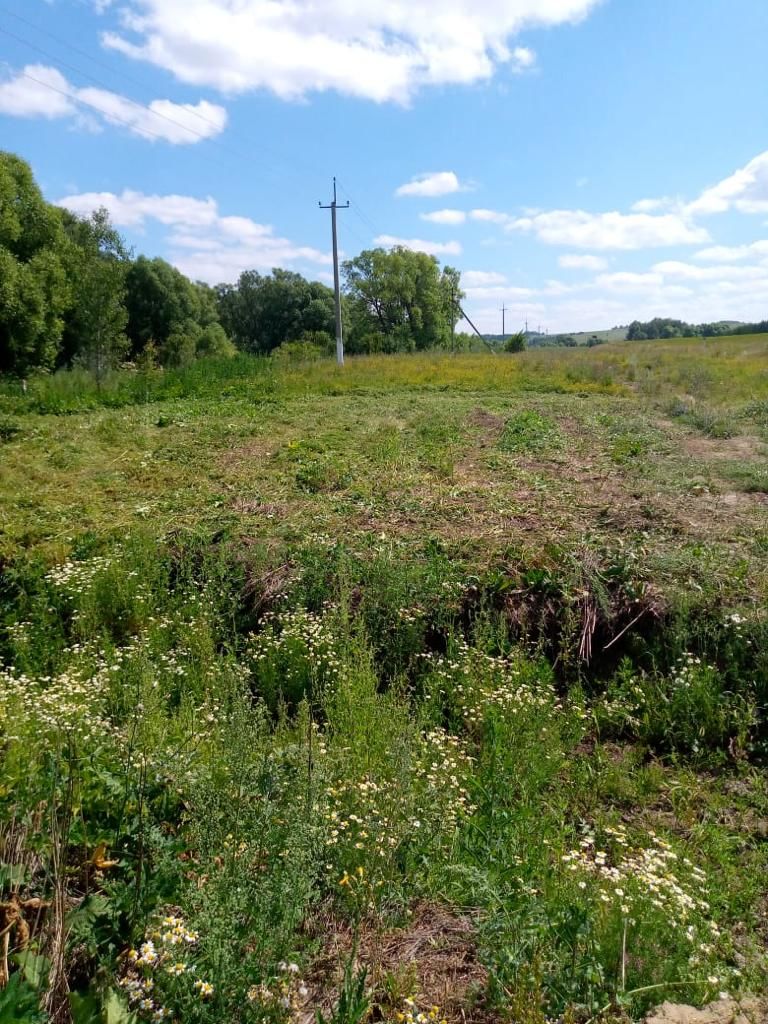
439, 681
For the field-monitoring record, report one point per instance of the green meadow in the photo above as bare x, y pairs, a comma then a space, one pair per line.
430, 688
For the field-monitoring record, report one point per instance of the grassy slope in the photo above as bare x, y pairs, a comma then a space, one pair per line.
528, 485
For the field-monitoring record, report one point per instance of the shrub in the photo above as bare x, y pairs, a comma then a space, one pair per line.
214, 342
298, 352
516, 342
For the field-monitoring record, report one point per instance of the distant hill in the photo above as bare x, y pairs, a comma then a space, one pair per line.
583, 337
636, 331
536, 339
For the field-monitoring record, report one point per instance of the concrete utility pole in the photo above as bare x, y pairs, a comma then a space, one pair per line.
503, 322
453, 318
333, 207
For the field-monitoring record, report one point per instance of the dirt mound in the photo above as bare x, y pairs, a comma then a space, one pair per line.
724, 1011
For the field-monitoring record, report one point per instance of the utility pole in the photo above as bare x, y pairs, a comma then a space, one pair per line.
453, 318
503, 322
333, 207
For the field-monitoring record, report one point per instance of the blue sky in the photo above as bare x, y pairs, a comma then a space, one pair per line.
585, 162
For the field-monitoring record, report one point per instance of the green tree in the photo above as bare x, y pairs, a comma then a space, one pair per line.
160, 302
402, 297
180, 348
97, 265
660, 327
34, 290
263, 311
209, 305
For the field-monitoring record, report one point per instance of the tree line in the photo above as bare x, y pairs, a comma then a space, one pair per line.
73, 294
665, 327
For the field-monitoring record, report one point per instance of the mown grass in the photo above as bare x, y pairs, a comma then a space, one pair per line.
297, 663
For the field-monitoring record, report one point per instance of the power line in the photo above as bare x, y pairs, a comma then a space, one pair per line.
100, 63
333, 207
87, 103
75, 49
356, 235
98, 81
108, 114
72, 95
366, 224
289, 160
358, 210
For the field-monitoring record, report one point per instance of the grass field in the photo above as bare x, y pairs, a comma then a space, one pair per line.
430, 682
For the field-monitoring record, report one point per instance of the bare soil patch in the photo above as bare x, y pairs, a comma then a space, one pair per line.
743, 447
743, 499
258, 508
725, 515
489, 423
432, 960
257, 450
724, 1011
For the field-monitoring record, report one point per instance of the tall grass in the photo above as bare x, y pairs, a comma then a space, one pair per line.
704, 369
72, 391
201, 781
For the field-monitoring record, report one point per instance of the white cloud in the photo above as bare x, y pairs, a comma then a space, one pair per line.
691, 291
610, 230
481, 278
576, 261
501, 293
34, 96
202, 243
132, 209
654, 205
625, 281
438, 183
444, 217
746, 190
678, 269
733, 253
619, 298
384, 51
420, 245
41, 91
522, 59
490, 216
